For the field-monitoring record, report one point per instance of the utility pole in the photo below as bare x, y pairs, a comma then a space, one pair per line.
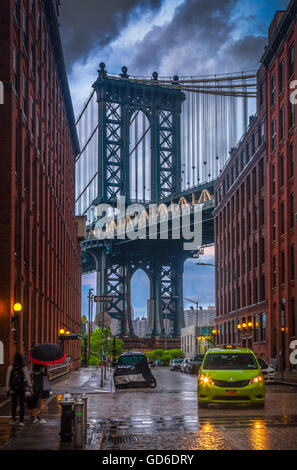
90, 298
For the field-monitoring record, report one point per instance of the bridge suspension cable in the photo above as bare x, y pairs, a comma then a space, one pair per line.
214, 116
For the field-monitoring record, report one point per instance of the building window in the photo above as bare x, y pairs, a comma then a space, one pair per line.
281, 75
247, 152
38, 78
25, 33
24, 95
292, 115
262, 208
249, 223
273, 178
261, 133
249, 258
254, 175
292, 262
241, 160
262, 327
282, 214
38, 134
273, 224
254, 137
15, 69
273, 133
256, 291
282, 122
291, 165
282, 171
292, 211
255, 217
272, 90
263, 293
32, 59
282, 267
274, 271
262, 250
242, 196
248, 188
32, 114
16, 10
291, 60
255, 254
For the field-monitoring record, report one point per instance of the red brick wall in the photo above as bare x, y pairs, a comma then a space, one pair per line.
39, 250
240, 263
283, 189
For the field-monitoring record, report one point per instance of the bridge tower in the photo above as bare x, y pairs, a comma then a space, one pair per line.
119, 100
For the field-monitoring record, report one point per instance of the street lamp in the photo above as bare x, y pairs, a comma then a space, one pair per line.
17, 308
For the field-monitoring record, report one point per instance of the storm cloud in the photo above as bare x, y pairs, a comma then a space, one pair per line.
199, 39
86, 24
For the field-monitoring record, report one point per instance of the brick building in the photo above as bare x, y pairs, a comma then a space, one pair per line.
255, 214
240, 232
39, 248
280, 63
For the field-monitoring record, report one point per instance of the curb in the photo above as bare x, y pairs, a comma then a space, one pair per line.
282, 382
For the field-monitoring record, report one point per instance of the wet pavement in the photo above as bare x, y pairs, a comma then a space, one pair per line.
166, 417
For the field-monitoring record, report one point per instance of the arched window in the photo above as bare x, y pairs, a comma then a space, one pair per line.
140, 157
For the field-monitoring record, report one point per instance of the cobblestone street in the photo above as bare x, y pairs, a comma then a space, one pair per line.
166, 417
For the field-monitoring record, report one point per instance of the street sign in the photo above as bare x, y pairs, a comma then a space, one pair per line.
99, 319
103, 298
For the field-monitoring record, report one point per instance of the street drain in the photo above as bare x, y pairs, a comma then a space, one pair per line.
122, 439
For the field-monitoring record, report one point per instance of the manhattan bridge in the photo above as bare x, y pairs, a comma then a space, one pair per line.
160, 141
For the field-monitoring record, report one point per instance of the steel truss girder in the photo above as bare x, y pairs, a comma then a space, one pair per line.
165, 278
118, 99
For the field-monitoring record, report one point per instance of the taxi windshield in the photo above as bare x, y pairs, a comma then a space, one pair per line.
230, 361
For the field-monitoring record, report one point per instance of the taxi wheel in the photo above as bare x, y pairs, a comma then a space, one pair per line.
202, 405
259, 405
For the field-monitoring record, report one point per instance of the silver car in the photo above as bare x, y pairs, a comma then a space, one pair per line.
267, 370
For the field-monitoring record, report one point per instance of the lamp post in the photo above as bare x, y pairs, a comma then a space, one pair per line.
17, 308
90, 298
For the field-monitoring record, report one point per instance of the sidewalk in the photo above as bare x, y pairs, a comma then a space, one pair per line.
46, 436
287, 377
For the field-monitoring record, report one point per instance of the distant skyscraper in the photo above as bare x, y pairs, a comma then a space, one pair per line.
140, 327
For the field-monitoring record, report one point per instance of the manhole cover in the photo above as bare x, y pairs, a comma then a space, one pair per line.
122, 439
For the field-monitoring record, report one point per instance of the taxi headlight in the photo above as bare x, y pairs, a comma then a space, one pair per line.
203, 379
256, 380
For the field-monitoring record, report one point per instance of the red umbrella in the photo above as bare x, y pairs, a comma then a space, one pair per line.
47, 353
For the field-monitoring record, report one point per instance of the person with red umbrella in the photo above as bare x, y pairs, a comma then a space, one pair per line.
42, 356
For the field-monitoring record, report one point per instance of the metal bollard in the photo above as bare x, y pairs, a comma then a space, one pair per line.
79, 422
84, 398
66, 403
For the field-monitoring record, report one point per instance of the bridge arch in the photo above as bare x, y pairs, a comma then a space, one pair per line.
140, 156
140, 275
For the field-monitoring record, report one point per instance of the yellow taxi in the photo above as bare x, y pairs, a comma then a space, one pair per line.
230, 375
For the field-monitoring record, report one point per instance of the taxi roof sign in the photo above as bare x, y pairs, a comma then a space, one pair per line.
229, 346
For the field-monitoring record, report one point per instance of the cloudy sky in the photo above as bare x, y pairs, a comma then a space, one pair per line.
184, 37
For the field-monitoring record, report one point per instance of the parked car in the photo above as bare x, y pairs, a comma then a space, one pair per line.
176, 364
195, 364
133, 370
267, 370
185, 365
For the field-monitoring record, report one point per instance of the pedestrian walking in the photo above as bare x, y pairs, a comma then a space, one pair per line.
41, 388
17, 380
